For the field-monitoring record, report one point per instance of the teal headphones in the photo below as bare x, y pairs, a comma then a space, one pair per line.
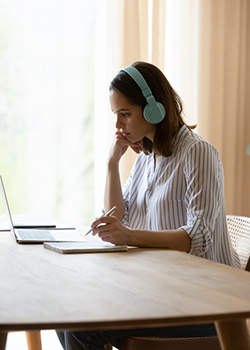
154, 112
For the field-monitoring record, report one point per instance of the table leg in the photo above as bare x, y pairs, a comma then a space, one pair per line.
233, 334
3, 337
33, 340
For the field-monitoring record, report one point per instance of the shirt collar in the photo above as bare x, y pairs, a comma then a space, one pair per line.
180, 136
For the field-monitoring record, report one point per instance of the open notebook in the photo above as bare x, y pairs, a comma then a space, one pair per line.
84, 247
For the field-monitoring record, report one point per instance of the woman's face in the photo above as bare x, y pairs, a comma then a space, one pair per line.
130, 121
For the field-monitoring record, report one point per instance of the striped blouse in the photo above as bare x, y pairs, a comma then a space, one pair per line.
186, 190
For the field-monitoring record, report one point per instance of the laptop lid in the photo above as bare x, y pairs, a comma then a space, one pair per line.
7, 208
29, 235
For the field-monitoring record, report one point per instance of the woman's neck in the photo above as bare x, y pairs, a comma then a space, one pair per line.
157, 158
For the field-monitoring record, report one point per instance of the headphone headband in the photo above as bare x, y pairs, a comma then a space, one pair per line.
154, 112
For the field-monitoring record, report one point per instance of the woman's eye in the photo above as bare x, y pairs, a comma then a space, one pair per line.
125, 114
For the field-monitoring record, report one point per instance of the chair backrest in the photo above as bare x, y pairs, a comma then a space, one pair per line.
239, 231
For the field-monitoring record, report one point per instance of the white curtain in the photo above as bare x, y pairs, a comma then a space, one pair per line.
47, 50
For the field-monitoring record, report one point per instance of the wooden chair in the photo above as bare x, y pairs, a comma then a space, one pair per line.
239, 230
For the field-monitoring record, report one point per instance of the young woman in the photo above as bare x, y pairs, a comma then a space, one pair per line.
174, 197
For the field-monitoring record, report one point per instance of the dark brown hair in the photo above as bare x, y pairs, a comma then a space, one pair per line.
164, 93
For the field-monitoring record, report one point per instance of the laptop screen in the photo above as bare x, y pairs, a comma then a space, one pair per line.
6, 204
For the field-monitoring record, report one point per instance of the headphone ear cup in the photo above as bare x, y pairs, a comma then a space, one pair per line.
154, 114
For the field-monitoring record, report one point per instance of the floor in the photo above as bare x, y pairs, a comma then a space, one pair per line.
17, 341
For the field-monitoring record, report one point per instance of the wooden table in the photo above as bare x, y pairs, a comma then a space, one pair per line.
41, 289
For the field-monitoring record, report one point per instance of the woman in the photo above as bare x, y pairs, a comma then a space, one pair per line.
174, 197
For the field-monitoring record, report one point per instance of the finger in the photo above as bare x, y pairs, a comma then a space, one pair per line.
124, 143
103, 227
137, 149
98, 221
106, 239
98, 217
101, 231
102, 220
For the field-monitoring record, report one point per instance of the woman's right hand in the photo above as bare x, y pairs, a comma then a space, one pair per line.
120, 146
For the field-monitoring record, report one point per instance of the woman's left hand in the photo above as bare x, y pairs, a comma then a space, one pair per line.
110, 229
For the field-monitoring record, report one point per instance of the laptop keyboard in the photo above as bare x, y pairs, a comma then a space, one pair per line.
36, 234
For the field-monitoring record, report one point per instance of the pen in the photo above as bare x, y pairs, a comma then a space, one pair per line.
110, 212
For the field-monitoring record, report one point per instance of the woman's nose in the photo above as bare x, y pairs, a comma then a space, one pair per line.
119, 124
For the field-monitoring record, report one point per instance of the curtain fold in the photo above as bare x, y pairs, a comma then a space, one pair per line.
158, 32
134, 45
222, 101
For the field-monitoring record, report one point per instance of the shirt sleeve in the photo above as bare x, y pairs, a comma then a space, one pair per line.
126, 191
205, 181
129, 189
126, 196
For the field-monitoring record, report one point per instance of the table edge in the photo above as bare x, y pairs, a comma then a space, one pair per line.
161, 322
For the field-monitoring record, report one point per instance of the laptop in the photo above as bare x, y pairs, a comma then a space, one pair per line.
38, 234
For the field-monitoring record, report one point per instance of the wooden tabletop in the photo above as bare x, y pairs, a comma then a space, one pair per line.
42, 289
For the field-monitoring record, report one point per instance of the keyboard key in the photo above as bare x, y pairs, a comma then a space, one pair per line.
36, 234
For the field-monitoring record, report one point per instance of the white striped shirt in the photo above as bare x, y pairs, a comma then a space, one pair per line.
186, 190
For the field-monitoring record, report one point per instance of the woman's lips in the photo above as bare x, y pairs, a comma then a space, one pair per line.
124, 134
